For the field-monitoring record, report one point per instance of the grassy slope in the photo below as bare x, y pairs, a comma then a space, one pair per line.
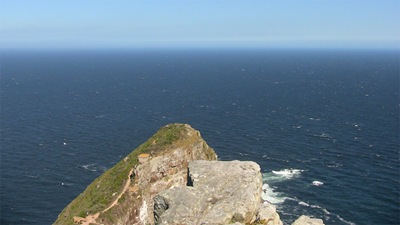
98, 195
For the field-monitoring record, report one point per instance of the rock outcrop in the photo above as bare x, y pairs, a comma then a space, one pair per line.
305, 220
164, 160
217, 193
174, 178
267, 215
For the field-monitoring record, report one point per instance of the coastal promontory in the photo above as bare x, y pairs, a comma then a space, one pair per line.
175, 178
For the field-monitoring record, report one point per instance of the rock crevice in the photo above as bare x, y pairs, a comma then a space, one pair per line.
222, 193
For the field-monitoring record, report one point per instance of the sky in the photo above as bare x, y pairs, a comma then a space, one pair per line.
199, 23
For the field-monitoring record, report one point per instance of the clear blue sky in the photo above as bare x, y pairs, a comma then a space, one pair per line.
202, 23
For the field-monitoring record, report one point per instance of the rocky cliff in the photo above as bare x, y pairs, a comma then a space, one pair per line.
217, 193
174, 178
124, 194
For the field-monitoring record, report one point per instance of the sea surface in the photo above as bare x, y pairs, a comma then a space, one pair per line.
323, 124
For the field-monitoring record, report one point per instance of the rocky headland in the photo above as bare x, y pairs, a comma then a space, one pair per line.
175, 178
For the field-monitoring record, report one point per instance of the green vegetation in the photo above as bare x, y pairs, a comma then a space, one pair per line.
99, 194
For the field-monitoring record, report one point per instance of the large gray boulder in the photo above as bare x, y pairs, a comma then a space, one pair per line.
305, 220
217, 193
267, 215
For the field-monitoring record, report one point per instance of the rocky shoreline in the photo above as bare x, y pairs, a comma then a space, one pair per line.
175, 178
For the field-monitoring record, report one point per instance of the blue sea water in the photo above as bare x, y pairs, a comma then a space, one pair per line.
323, 124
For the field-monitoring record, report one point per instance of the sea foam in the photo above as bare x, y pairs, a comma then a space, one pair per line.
287, 173
269, 194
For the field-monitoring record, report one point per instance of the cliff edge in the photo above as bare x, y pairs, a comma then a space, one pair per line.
124, 194
174, 178
218, 192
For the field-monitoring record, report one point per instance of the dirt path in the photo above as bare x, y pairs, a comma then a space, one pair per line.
123, 192
91, 219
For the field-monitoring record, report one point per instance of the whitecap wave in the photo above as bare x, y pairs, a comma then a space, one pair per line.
333, 164
317, 183
325, 211
345, 221
287, 173
90, 167
303, 203
94, 167
270, 196
66, 184
31, 176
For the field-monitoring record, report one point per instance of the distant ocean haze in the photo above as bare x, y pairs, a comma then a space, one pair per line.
323, 124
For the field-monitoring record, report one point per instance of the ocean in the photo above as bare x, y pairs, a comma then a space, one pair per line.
322, 124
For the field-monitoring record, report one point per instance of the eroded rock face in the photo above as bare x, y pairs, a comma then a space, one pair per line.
168, 170
221, 193
267, 215
158, 164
